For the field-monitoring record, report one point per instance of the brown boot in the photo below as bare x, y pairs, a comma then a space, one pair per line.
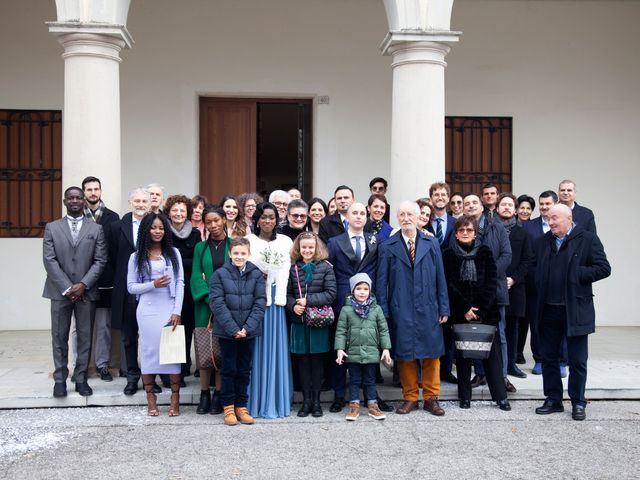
152, 406
174, 410
230, 415
242, 414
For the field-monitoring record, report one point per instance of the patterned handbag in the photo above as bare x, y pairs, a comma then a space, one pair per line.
473, 339
316, 317
207, 347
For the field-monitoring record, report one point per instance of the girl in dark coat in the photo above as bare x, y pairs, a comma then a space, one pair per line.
471, 280
311, 283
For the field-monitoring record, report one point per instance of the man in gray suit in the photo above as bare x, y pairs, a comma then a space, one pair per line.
74, 255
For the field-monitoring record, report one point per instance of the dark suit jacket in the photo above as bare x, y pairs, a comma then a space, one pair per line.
331, 226
448, 232
121, 247
583, 217
345, 264
67, 264
586, 263
105, 283
521, 260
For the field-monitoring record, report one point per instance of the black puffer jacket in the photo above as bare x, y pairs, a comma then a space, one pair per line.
480, 294
321, 291
237, 301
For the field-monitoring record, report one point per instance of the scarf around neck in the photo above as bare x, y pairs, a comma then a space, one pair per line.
468, 271
362, 309
96, 215
184, 232
508, 224
308, 269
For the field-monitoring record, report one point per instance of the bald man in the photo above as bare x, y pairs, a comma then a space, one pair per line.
568, 260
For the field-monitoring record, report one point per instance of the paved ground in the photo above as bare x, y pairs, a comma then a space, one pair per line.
481, 443
26, 365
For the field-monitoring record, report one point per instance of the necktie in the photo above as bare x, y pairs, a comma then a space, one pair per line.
439, 234
345, 222
74, 231
358, 248
412, 251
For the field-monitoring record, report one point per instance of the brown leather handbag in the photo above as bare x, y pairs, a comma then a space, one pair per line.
207, 347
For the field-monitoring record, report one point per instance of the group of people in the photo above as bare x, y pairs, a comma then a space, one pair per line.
295, 295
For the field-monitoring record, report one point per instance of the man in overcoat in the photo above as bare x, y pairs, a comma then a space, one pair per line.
569, 259
412, 290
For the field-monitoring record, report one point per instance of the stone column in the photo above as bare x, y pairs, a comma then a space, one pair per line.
91, 113
418, 44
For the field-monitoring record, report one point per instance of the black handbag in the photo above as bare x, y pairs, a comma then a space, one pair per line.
474, 339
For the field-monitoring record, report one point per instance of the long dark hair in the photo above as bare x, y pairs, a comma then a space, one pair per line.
144, 239
260, 208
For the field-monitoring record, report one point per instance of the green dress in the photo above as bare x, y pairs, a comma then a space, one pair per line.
200, 278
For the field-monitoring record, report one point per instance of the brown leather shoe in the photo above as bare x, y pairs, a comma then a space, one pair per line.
406, 407
509, 386
432, 406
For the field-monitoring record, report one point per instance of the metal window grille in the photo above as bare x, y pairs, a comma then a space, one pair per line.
30, 171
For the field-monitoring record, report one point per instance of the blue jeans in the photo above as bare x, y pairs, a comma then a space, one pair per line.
236, 370
365, 374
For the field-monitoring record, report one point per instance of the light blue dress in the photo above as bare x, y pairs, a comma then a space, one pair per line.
271, 387
155, 307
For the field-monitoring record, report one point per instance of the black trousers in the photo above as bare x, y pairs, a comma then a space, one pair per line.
237, 356
552, 331
129, 334
446, 360
493, 371
511, 332
310, 369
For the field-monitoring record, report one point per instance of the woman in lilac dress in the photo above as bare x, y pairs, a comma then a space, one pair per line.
156, 277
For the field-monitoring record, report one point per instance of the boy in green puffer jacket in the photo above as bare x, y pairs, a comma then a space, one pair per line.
361, 332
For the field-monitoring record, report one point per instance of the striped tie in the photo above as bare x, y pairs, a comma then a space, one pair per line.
412, 251
439, 234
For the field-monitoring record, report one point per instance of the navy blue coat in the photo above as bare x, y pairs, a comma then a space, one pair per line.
583, 217
345, 264
413, 298
587, 264
237, 301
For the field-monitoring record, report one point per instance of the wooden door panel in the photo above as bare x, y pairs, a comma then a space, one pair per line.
227, 147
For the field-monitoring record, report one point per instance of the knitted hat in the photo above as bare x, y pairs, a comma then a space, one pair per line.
359, 278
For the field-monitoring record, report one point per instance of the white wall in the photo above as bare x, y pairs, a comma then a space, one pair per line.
567, 72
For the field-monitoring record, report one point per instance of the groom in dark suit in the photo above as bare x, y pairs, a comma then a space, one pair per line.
354, 251
74, 256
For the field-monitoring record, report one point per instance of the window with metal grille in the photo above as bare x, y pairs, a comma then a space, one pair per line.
30, 171
478, 151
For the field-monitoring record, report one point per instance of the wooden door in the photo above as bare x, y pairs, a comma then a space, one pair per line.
227, 147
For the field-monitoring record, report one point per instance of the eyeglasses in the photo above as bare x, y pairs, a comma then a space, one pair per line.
466, 230
300, 216
280, 204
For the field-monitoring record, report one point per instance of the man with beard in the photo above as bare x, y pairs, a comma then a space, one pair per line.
95, 210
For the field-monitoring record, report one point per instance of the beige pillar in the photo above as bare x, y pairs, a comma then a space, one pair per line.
418, 41
92, 38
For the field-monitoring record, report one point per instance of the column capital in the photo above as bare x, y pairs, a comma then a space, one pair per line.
102, 32
435, 41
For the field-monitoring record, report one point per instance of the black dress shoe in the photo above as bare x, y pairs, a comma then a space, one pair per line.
157, 388
514, 371
549, 407
131, 388
84, 389
337, 405
105, 374
509, 386
521, 360
448, 377
578, 413
478, 380
59, 389
384, 406
504, 405
465, 404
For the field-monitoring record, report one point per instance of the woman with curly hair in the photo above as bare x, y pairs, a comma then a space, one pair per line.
247, 203
156, 277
